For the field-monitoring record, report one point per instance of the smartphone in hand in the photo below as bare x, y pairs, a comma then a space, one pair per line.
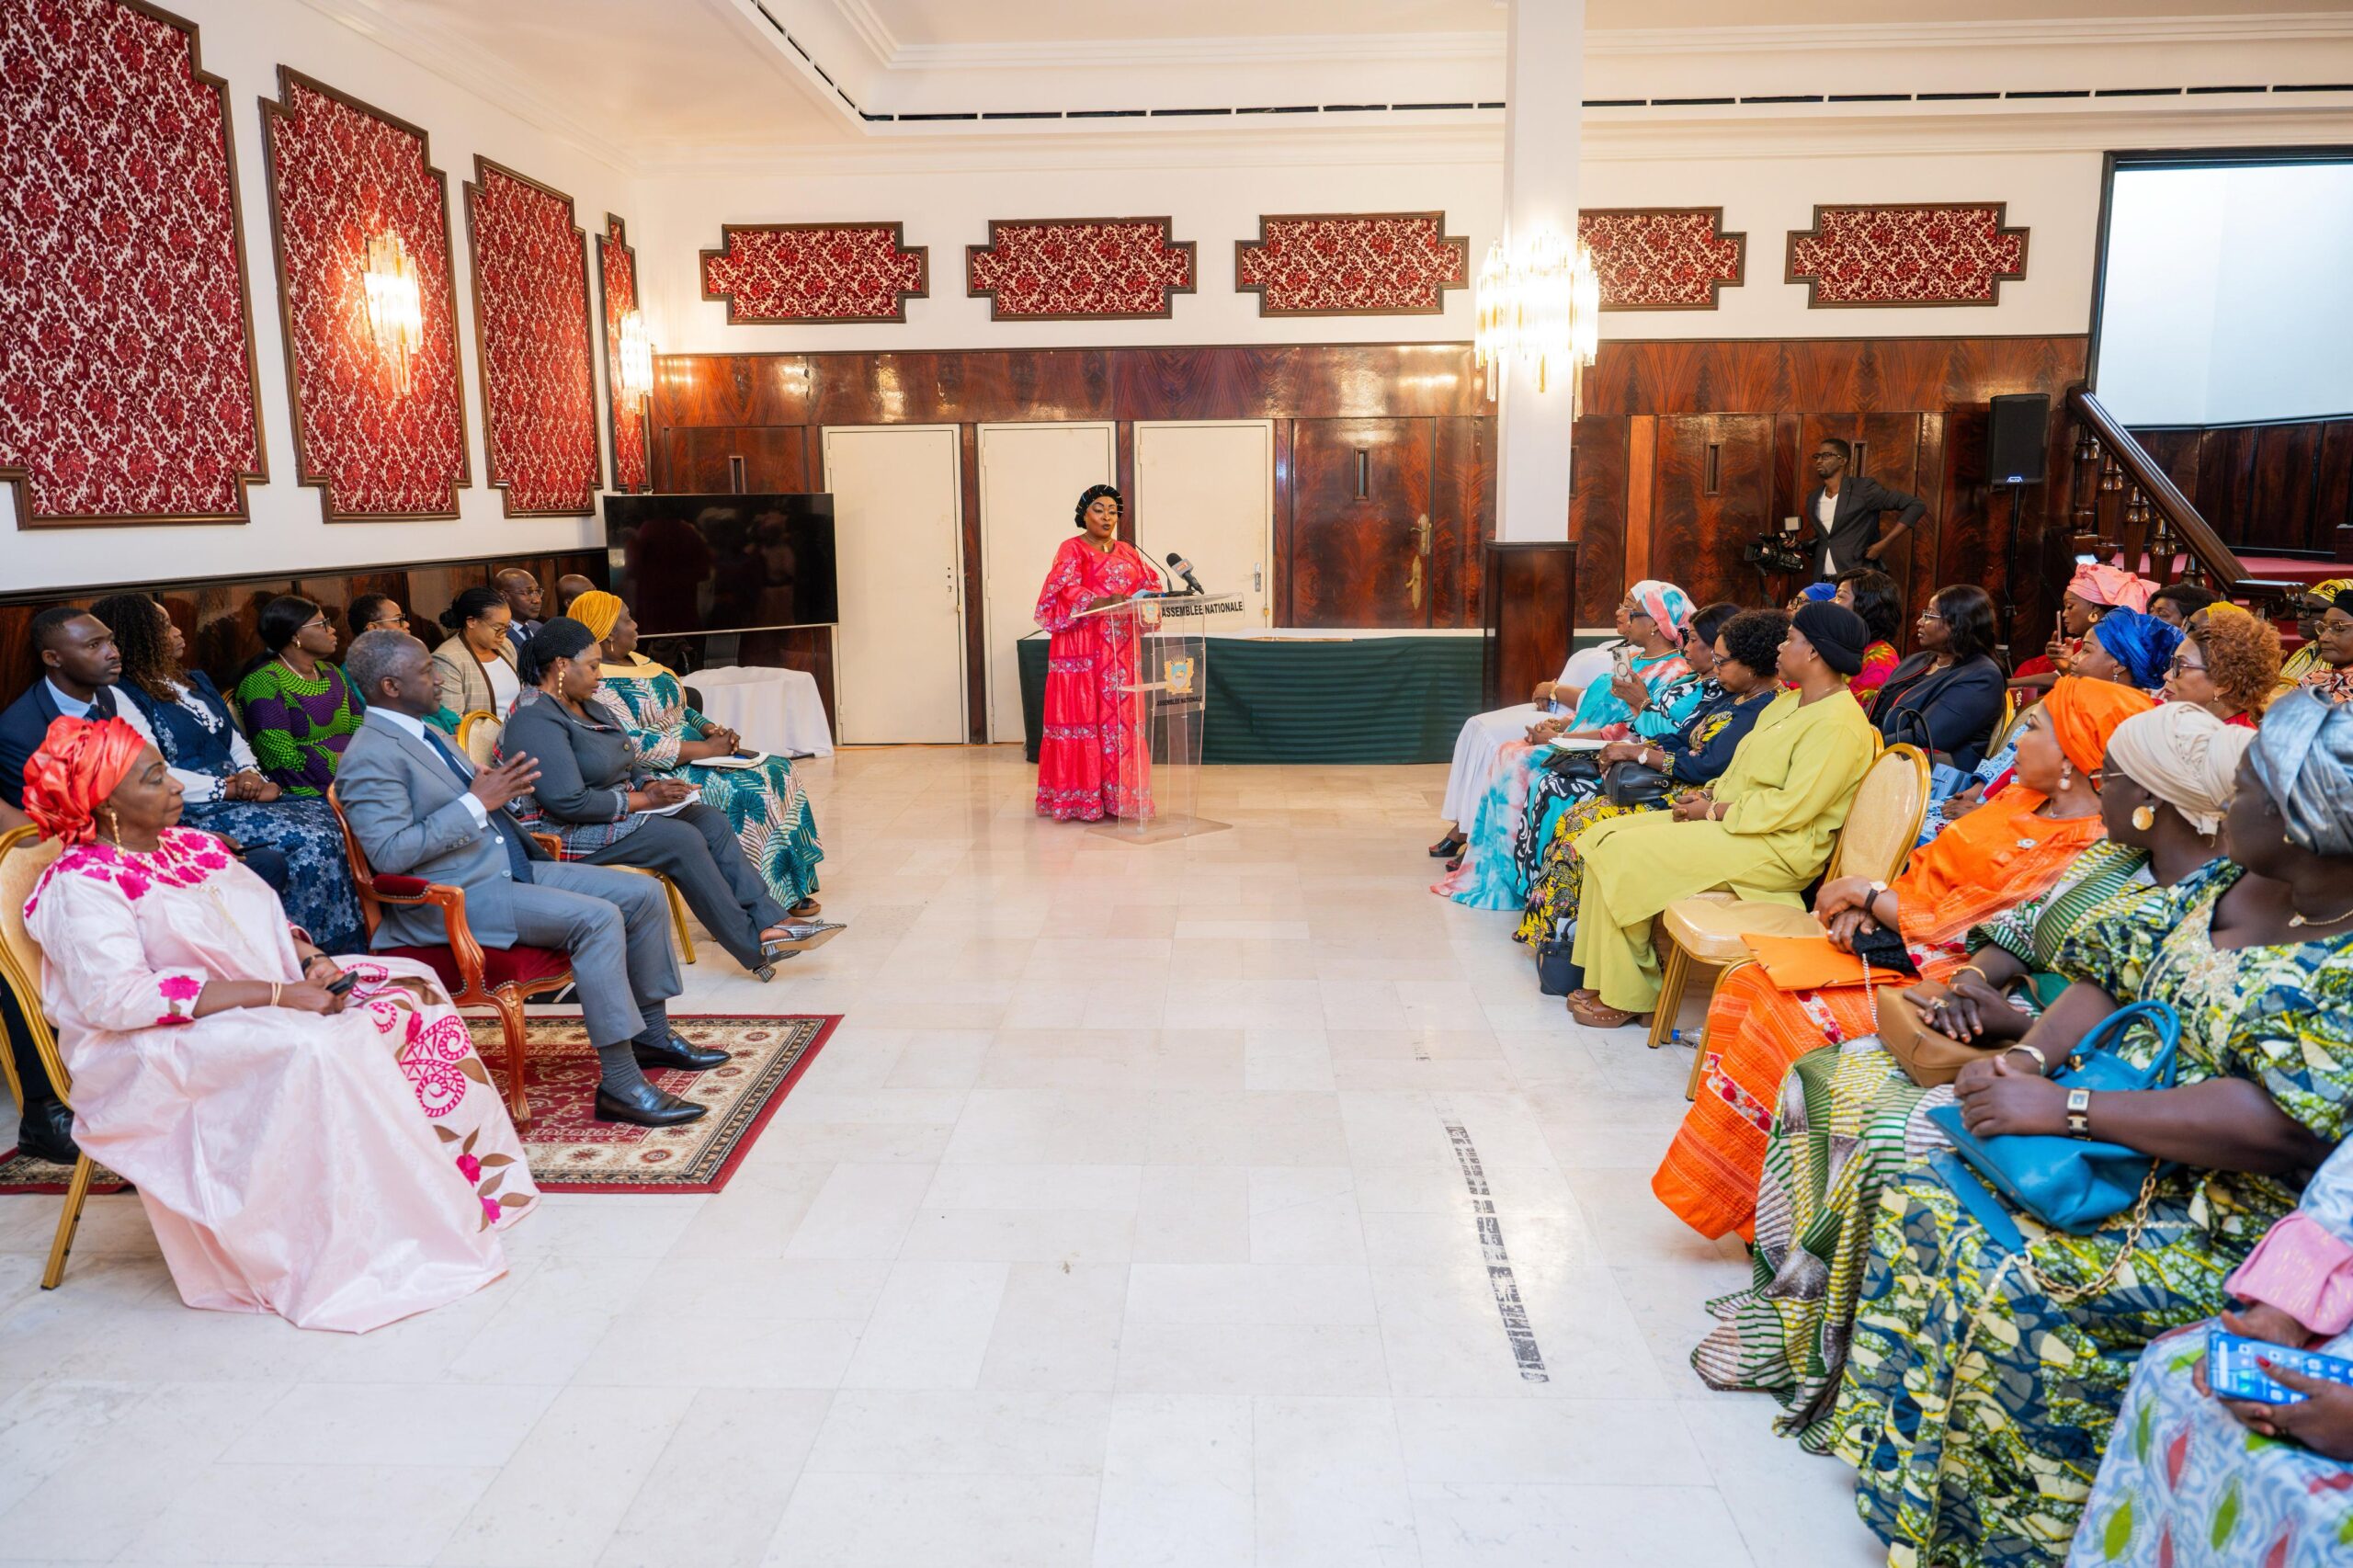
2234, 1371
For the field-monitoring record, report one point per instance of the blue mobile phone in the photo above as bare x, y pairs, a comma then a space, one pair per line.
2234, 1371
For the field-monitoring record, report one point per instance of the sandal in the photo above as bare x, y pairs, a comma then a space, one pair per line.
1455, 864
1598, 1014
1450, 844
807, 909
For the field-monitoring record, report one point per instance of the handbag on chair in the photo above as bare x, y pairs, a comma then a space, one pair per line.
2069, 1184
1631, 783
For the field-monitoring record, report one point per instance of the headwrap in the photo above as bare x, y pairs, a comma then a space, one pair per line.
2303, 754
2330, 589
597, 610
2097, 583
1837, 634
2183, 756
79, 763
1665, 603
2141, 643
1819, 593
2085, 713
2224, 606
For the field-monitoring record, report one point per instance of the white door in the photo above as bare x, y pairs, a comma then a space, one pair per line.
899, 650
1205, 489
1032, 478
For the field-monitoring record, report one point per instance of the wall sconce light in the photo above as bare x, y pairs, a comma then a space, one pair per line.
636, 357
1539, 302
395, 309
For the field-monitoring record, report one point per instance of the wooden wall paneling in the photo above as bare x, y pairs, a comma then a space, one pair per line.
1698, 531
2332, 490
1598, 511
1925, 565
2279, 498
976, 652
2173, 449
1641, 492
1281, 610
1889, 445
2225, 474
1123, 474
1530, 616
1792, 375
1462, 517
1360, 497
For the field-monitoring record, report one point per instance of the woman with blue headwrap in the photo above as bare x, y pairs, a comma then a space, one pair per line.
1650, 692
1984, 1380
2129, 647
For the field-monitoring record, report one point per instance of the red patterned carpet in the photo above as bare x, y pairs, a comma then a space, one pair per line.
570, 1151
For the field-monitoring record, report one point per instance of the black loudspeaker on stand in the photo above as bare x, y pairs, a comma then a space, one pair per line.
2016, 439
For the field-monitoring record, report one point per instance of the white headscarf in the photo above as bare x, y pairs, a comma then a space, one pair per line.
2183, 756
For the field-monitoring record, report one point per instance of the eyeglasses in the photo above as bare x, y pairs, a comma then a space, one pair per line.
316, 623
2182, 666
1930, 614
2341, 626
399, 620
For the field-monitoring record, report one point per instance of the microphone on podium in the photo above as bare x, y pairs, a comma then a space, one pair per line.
1185, 569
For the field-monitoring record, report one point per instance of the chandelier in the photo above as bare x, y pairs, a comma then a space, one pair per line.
636, 358
1540, 301
395, 309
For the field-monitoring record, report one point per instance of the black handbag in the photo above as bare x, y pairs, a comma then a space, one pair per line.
1577, 766
1556, 972
1883, 948
1631, 783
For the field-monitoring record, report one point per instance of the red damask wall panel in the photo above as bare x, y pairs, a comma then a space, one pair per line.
814, 274
1365, 264
339, 173
1907, 254
616, 264
1662, 259
539, 385
1079, 268
128, 392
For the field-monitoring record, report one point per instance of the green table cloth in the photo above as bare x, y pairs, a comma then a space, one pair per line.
1289, 700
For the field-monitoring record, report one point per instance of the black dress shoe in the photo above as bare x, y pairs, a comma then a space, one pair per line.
675, 1052
46, 1132
647, 1106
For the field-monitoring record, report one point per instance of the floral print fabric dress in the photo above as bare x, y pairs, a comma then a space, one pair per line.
1976, 1406
766, 804
1093, 758
343, 1171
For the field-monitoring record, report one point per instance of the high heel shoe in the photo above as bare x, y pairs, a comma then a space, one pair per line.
800, 937
1448, 846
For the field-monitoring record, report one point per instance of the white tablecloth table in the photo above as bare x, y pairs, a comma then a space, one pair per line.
774, 710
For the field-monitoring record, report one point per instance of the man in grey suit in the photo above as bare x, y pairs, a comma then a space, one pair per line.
420, 809
1844, 509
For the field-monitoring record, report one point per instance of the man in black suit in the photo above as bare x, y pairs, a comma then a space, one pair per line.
1844, 509
521, 591
79, 667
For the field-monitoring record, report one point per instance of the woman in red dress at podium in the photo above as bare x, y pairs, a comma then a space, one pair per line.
1089, 763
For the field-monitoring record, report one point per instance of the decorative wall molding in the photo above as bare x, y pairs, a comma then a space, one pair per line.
617, 271
1910, 252
539, 383
1361, 263
129, 394
1080, 269
340, 170
1663, 258
814, 274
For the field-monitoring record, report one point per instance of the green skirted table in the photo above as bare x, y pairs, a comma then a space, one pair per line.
1333, 698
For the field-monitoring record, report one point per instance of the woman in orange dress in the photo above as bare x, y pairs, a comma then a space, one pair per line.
2015, 846
1091, 762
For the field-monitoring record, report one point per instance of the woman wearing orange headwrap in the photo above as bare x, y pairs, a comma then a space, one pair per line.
335, 1156
2014, 847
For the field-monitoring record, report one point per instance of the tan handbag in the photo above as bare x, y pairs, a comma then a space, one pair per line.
1927, 1057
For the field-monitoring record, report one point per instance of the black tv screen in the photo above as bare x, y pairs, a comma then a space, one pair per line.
697, 564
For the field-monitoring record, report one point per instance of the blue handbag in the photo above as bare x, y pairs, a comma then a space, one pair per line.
2069, 1184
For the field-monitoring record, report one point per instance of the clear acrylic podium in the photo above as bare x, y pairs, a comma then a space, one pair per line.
1167, 700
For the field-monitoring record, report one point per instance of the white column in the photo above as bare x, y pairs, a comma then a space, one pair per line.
1544, 93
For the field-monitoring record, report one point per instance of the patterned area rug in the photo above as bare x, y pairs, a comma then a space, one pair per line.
570, 1149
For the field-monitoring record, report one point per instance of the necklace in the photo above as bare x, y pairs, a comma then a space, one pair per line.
299, 676
2297, 917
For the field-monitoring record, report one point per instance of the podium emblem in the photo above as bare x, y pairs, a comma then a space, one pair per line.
1180, 678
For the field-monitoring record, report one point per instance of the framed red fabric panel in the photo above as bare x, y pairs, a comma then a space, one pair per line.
814, 274
1912, 253
617, 269
1352, 264
128, 388
342, 172
539, 383
1663, 258
1079, 268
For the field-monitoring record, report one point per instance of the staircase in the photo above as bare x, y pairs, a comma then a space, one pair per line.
2124, 508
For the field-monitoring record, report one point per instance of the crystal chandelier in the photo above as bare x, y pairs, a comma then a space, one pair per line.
1539, 302
395, 309
636, 357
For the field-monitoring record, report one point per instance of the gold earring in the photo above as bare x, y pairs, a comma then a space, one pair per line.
2066, 775
114, 827
2143, 818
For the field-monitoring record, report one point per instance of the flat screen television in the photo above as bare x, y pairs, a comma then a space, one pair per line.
707, 563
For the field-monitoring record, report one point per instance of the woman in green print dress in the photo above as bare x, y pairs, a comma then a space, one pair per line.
1982, 1385
765, 803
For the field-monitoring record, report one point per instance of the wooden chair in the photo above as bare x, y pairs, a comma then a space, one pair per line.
478, 734
1881, 824
502, 979
23, 858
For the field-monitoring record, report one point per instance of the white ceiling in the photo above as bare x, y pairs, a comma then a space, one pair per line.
665, 83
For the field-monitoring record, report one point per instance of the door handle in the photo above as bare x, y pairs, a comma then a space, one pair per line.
1414, 582
1422, 527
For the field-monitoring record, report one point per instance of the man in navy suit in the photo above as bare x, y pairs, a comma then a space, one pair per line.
521, 591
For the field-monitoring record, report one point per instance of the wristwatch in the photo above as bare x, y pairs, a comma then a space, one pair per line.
2079, 1106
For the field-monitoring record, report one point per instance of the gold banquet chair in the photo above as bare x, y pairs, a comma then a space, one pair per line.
478, 734
1881, 824
23, 858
